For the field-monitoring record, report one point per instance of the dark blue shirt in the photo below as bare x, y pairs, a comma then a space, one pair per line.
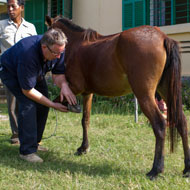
25, 61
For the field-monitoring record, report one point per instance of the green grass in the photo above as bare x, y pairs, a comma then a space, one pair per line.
121, 153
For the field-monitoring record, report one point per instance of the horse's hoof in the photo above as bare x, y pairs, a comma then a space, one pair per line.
72, 108
81, 151
152, 175
186, 173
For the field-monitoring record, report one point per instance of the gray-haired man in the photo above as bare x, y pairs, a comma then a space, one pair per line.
23, 68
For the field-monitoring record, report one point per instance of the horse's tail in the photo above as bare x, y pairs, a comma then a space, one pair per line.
172, 73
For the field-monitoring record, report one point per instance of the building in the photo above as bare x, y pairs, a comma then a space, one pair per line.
3, 10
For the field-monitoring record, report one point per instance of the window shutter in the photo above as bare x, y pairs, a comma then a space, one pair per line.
67, 7
139, 13
127, 16
133, 13
35, 12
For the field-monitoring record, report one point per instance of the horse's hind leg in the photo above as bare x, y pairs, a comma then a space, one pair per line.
150, 109
87, 104
182, 129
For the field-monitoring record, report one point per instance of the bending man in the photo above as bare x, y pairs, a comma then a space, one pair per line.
23, 68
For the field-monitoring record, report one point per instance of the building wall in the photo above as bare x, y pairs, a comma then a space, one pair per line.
104, 16
181, 33
3, 11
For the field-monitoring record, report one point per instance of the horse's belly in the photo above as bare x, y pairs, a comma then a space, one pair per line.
112, 87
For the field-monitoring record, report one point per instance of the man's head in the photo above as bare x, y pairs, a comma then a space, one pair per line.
15, 8
53, 43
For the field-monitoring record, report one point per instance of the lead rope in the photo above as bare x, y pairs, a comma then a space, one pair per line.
54, 133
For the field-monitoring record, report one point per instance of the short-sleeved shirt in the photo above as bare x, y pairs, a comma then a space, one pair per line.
11, 34
25, 61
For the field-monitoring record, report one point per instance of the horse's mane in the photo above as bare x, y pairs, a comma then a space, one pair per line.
89, 34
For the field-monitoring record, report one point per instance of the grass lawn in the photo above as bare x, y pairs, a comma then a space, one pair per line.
121, 154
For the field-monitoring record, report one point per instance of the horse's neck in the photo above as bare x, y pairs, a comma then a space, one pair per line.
72, 37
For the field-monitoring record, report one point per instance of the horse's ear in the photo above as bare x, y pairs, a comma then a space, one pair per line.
48, 20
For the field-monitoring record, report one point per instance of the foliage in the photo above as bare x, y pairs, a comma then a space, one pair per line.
119, 105
123, 104
186, 92
114, 105
53, 90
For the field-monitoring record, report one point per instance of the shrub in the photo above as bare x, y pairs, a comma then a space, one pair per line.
186, 92
123, 104
120, 105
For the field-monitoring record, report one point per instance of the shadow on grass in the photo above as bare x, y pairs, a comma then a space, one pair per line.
70, 164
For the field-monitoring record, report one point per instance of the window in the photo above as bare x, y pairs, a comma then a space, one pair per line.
61, 7
155, 12
182, 8
169, 12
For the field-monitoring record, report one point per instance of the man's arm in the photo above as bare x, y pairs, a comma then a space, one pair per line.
61, 82
40, 98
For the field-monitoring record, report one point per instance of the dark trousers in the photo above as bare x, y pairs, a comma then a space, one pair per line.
31, 115
12, 105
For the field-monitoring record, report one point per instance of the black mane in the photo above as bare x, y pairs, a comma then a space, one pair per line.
89, 34
68, 23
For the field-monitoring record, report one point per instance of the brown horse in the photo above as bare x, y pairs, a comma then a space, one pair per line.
140, 60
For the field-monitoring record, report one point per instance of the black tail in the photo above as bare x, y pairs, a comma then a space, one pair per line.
172, 73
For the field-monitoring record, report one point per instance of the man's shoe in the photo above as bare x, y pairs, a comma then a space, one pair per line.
34, 158
42, 148
14, 139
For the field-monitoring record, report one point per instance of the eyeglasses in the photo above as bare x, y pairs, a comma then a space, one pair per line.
54, 53
13, 6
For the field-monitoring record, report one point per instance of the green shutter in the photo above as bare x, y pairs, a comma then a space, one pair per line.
61, 7
67, 7
139, 13
35, 12
147, 10
127, 16
133, 13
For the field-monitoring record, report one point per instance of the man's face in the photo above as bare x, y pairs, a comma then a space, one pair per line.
14, 9
52, 52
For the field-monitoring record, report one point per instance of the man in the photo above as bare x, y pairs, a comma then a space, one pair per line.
11, 31
23, 67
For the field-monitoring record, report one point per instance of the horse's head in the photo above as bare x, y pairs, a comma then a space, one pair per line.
50, 21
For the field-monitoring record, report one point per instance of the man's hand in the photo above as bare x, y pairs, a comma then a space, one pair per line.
60, 107
67, 93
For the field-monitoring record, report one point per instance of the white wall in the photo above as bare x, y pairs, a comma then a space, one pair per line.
104, 16
181, 32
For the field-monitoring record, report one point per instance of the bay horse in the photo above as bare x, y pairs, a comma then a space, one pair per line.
141, 60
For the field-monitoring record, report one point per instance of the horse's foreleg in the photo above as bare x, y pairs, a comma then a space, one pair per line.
158, 123
87, 103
